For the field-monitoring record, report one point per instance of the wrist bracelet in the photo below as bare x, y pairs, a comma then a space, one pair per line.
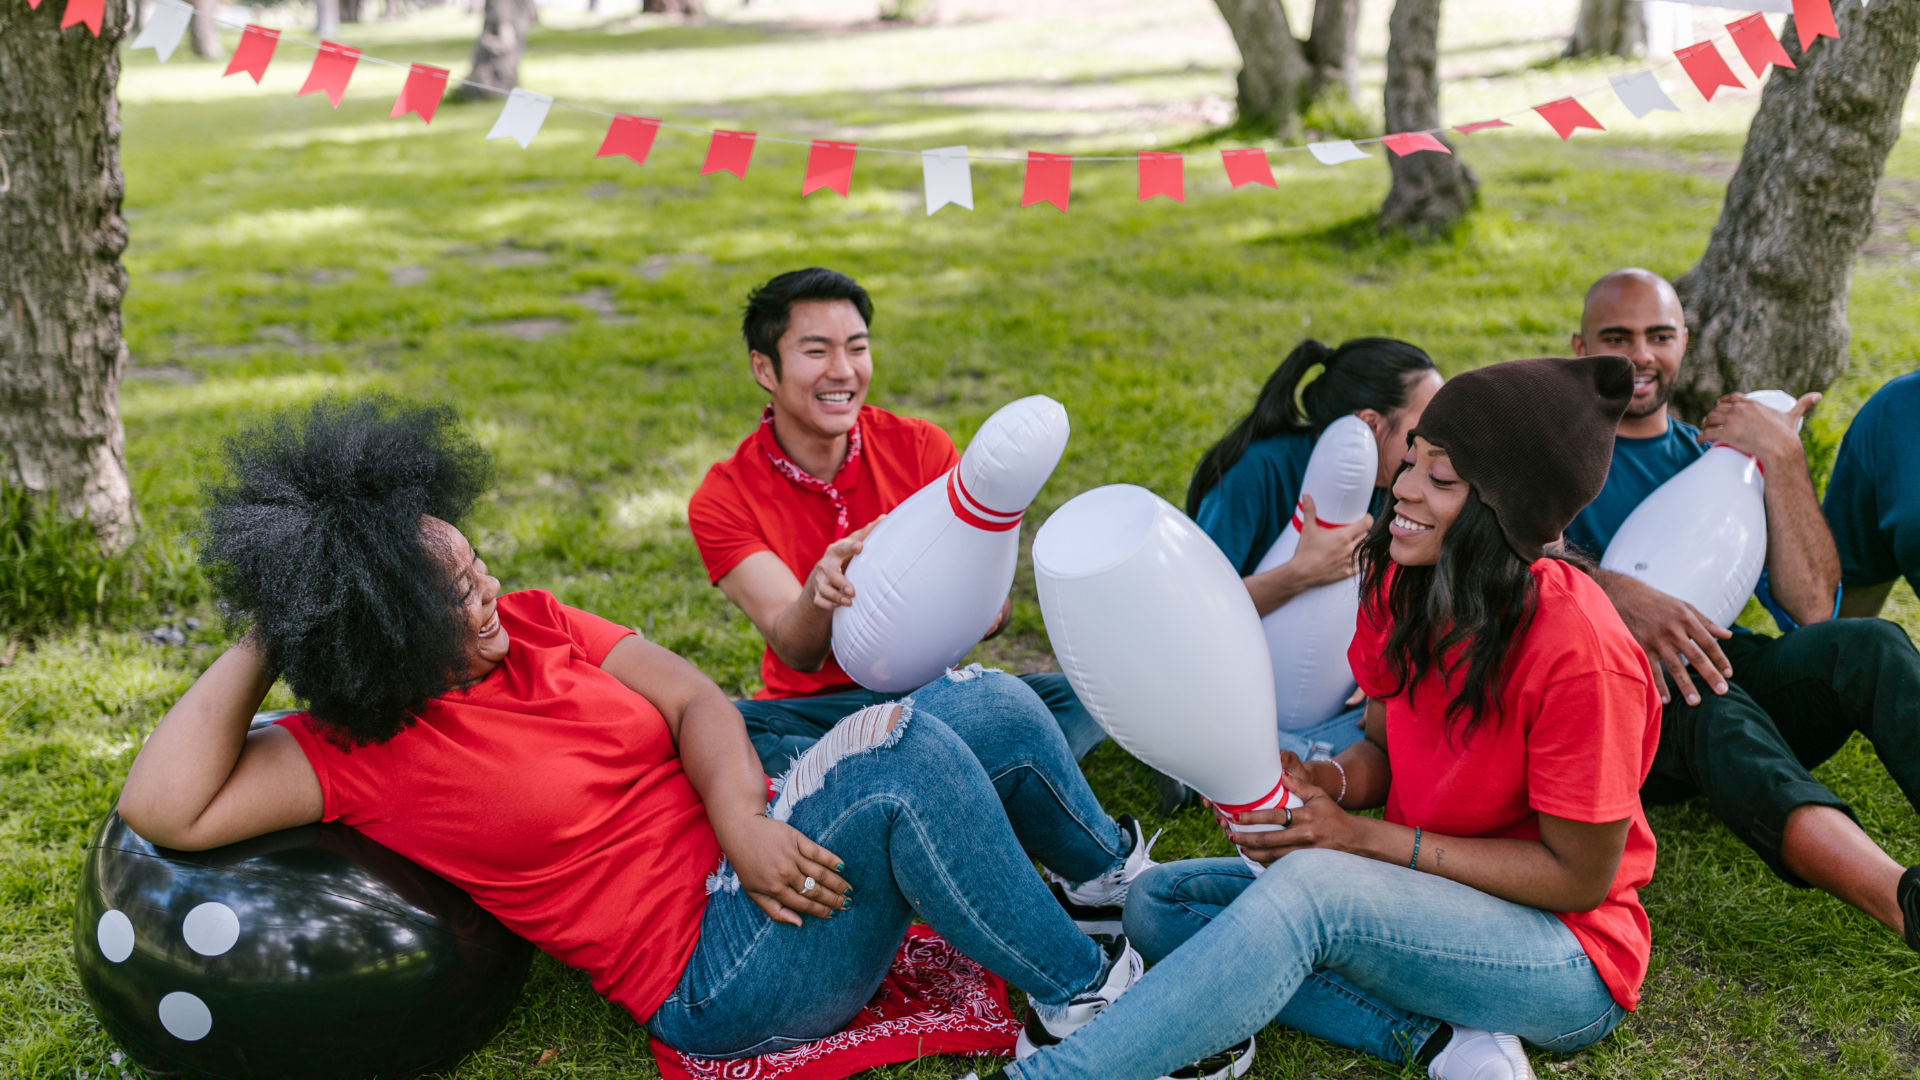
1414, 863
1342, 797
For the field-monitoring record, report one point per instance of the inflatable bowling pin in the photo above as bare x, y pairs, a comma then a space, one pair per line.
1158, 636
1307, 637
1702, 535
929, 581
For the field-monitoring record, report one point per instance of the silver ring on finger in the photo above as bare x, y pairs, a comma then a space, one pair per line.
808, 886
1289, 821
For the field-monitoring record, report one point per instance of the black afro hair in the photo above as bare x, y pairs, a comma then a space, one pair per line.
315, 535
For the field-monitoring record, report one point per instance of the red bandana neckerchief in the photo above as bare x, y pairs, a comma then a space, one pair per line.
801, 477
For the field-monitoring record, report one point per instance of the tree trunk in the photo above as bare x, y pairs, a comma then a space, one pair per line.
1609, 28
496, 55
61, 281
689, 8
326, 17
1767, 303
1431, 191
1334, 48
203, 34
349, 10
1273, 66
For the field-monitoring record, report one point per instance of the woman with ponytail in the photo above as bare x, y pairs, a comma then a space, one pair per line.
1511, 720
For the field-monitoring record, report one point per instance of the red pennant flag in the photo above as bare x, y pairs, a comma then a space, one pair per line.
730, 151
424, 88
1412, 142
1163, 174
1049, 180
1707, 69
629, 135
332, 67
84, 11
1468, 129
1566, 115
1757, 44
1247, 167
35, 5
1814, 19
829, 165
254, 51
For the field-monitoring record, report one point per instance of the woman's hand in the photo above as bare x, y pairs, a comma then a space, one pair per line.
1327, 553
774, 861
1320, 823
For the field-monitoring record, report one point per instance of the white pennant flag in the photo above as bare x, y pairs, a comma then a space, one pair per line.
1333, 153
164, 28
949, 177
1641, 93
520, 120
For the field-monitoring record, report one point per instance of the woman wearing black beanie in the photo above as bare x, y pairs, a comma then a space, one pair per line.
1510, 721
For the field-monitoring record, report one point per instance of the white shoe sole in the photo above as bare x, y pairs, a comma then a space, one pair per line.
1023, 1048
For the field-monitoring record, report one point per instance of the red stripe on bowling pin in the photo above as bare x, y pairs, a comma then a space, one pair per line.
1271, 798
1298, 525
969, 509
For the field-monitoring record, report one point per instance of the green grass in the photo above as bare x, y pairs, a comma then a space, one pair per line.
583, 315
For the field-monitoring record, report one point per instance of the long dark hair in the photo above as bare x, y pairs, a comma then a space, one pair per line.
1365, 373
1465, 611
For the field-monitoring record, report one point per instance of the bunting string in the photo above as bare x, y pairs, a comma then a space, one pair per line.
947, 170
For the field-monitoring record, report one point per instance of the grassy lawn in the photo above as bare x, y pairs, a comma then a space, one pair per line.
583, 314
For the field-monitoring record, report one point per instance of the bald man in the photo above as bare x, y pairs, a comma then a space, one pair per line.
1748, 715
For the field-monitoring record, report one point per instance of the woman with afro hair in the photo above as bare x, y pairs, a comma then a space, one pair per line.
593, 790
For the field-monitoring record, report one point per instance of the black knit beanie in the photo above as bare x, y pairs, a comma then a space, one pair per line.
1533, 437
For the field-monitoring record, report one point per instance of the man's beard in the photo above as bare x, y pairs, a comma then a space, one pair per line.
1662, 390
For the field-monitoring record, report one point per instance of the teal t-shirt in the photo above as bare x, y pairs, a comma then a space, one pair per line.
1873, 499
1251, 506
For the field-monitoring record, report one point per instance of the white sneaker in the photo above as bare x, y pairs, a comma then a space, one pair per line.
1124, 968
1229, 1064
1473, 1054
1095, 906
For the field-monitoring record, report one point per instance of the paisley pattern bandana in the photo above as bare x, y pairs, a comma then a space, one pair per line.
806, 480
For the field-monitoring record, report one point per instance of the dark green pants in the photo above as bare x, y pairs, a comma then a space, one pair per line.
1792, 703
783, 728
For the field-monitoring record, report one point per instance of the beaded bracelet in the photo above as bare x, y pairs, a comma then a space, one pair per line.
1414, 863
1342, 797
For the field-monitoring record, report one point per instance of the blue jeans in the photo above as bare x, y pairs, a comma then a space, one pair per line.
939, 820
1328, 737
783, 728
1351, 950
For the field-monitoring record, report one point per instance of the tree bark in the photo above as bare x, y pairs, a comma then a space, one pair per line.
61, 281
689, 8
1273, 65
496, 55
1767, 303
1431, 191
326, 17
1334, 48
203, 34
349, 10
1609, 28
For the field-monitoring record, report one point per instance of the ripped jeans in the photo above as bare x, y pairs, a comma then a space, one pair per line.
937, 819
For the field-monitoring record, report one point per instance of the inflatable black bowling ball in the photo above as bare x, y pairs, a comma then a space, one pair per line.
312, 952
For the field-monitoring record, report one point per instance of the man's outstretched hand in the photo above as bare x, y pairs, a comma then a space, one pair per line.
1669, 629
827, 582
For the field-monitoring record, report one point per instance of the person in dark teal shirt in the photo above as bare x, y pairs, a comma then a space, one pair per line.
1245, 489
1775, 707
1873, 498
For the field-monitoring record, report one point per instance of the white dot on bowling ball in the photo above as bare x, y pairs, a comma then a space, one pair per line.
185, 1017
211, 929
115, 934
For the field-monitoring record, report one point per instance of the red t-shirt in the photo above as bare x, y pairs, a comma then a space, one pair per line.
1578, 724
746, 505
553, 795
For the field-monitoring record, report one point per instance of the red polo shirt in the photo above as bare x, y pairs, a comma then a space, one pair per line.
746, 505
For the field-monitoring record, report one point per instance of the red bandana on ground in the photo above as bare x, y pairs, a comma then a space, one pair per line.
807, 480
934, 1001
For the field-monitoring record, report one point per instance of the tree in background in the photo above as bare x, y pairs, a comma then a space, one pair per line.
203, 34
326, 17
689, 8
61, 281
496, 55
1430, 190
1609, 28
1280, 75
1767, 302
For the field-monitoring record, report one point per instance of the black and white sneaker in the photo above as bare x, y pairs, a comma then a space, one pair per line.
1229, 1064
1124, 968
1095, 906
1908, 893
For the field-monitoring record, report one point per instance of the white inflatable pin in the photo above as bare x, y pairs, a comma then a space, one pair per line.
1307, 637
929, 581
1702, 536
1157, 634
